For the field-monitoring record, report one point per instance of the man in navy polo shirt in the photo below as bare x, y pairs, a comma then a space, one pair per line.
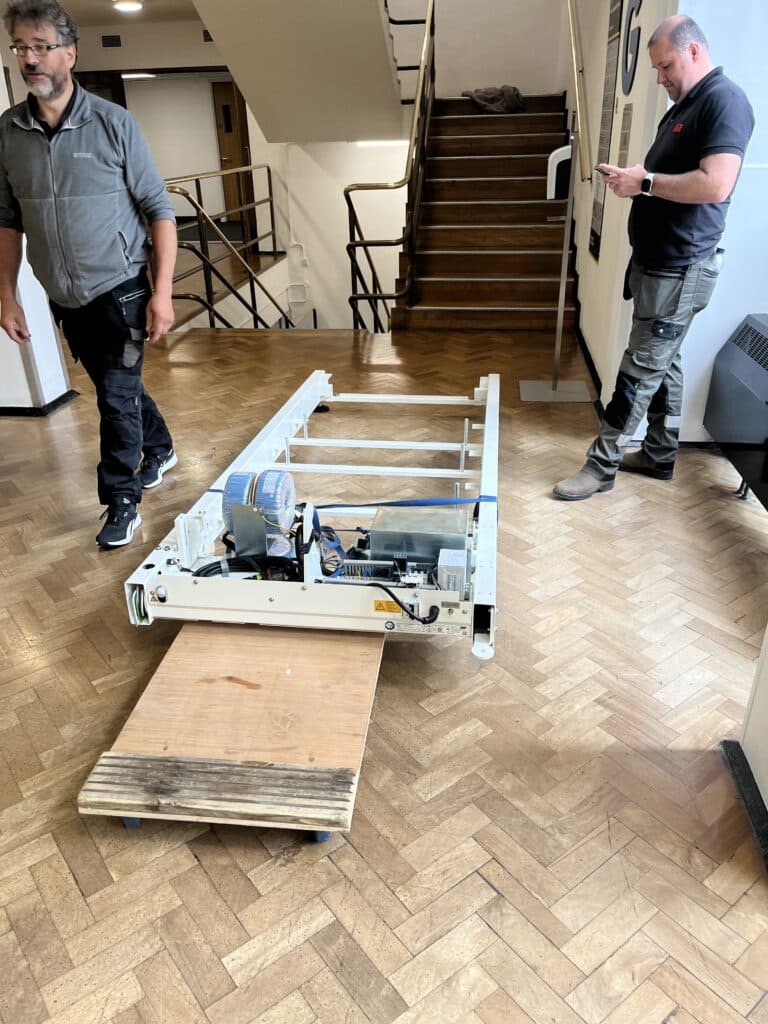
680, 198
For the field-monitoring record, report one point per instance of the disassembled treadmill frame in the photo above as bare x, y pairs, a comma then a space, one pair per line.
408, 600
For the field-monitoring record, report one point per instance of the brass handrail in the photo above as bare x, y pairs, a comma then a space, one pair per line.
413, 178
219, 174
204, 220
582, 126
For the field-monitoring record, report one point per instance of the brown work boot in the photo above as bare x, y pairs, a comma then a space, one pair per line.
581, 486
639, 462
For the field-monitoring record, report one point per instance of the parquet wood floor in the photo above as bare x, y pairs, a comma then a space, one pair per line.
550, 837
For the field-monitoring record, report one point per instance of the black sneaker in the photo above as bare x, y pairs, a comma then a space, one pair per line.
122, 519
154, 466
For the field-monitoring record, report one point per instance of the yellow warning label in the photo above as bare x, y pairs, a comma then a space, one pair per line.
390, 607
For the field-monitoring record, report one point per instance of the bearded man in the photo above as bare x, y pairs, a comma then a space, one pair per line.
77, 179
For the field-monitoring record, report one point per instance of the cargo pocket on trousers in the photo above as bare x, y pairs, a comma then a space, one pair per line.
709, 271
133, 313
652, 347
658, 294
133, 310
120, 405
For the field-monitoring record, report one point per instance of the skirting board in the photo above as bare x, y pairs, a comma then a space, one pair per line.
754, 805
541, 391
39, 410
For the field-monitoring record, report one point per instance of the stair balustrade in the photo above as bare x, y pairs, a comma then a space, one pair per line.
366, 285
239, 254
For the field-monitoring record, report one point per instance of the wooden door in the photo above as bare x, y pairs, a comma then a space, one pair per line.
230, 146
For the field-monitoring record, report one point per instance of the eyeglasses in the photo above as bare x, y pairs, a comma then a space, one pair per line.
38, 49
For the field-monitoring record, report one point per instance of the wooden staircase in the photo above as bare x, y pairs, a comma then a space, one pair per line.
489, 243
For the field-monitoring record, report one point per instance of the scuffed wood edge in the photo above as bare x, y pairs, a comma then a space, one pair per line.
199, 789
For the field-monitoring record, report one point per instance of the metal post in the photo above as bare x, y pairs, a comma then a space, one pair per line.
353, 272
564, 262
271, 212
203, 233
571, 390
244, 215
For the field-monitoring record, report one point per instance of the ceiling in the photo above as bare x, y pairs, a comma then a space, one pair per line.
100, 12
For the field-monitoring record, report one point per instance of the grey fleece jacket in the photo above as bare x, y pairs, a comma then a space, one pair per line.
81, 198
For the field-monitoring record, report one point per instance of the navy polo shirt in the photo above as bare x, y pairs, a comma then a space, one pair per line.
715, 117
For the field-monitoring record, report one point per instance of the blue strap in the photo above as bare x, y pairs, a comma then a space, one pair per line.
405, 503
418, 502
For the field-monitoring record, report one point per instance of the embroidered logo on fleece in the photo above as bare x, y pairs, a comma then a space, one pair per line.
678, 129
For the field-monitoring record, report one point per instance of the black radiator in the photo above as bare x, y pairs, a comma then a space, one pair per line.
737, 404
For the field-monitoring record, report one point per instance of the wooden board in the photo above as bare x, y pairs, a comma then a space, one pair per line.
248, 725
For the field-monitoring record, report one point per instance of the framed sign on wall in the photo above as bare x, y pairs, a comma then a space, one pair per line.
606, 123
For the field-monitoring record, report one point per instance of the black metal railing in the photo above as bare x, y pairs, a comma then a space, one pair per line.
398, 22
238, 252
368, 289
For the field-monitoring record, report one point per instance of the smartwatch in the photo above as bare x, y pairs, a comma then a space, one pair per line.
646, 185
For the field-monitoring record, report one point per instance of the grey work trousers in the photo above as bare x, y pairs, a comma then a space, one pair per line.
650, 378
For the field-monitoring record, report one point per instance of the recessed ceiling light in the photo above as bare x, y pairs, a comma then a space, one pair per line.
128, 6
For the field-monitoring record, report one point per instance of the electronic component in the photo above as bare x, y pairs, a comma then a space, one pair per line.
418, 533
452, 570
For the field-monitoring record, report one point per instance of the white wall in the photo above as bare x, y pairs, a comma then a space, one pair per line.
488, 42
177, 119
145, 45
309, 183
501, 42
33, 375
756, 725
317, 175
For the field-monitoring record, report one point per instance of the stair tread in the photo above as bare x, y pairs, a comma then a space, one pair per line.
495, 135
494, 178
489, 202
534, 307
484, 252
487, 116
496, 280
525, 226
487, 156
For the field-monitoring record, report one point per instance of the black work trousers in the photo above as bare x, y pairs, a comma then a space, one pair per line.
107, 336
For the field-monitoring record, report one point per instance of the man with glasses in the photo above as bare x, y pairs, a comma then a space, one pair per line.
77, 179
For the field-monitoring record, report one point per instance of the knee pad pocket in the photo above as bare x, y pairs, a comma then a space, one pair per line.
620, 405
659, 404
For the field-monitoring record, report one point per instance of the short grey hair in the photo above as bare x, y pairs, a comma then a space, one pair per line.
680, 35
41, 12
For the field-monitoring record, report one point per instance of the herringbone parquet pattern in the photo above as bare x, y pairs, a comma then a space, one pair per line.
550, 837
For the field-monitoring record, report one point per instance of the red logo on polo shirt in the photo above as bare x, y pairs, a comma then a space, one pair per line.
677, 130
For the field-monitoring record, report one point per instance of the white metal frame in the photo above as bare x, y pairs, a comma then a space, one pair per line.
163, 587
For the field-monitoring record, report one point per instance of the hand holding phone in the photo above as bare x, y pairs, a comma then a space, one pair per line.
605, 174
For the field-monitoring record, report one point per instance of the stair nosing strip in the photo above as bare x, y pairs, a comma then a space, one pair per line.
498, 135
487, 116
539, 278
492, 156
507, 227
458, 309
486, 202
477, 252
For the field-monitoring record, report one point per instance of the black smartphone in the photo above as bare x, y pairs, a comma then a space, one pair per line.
605, 174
